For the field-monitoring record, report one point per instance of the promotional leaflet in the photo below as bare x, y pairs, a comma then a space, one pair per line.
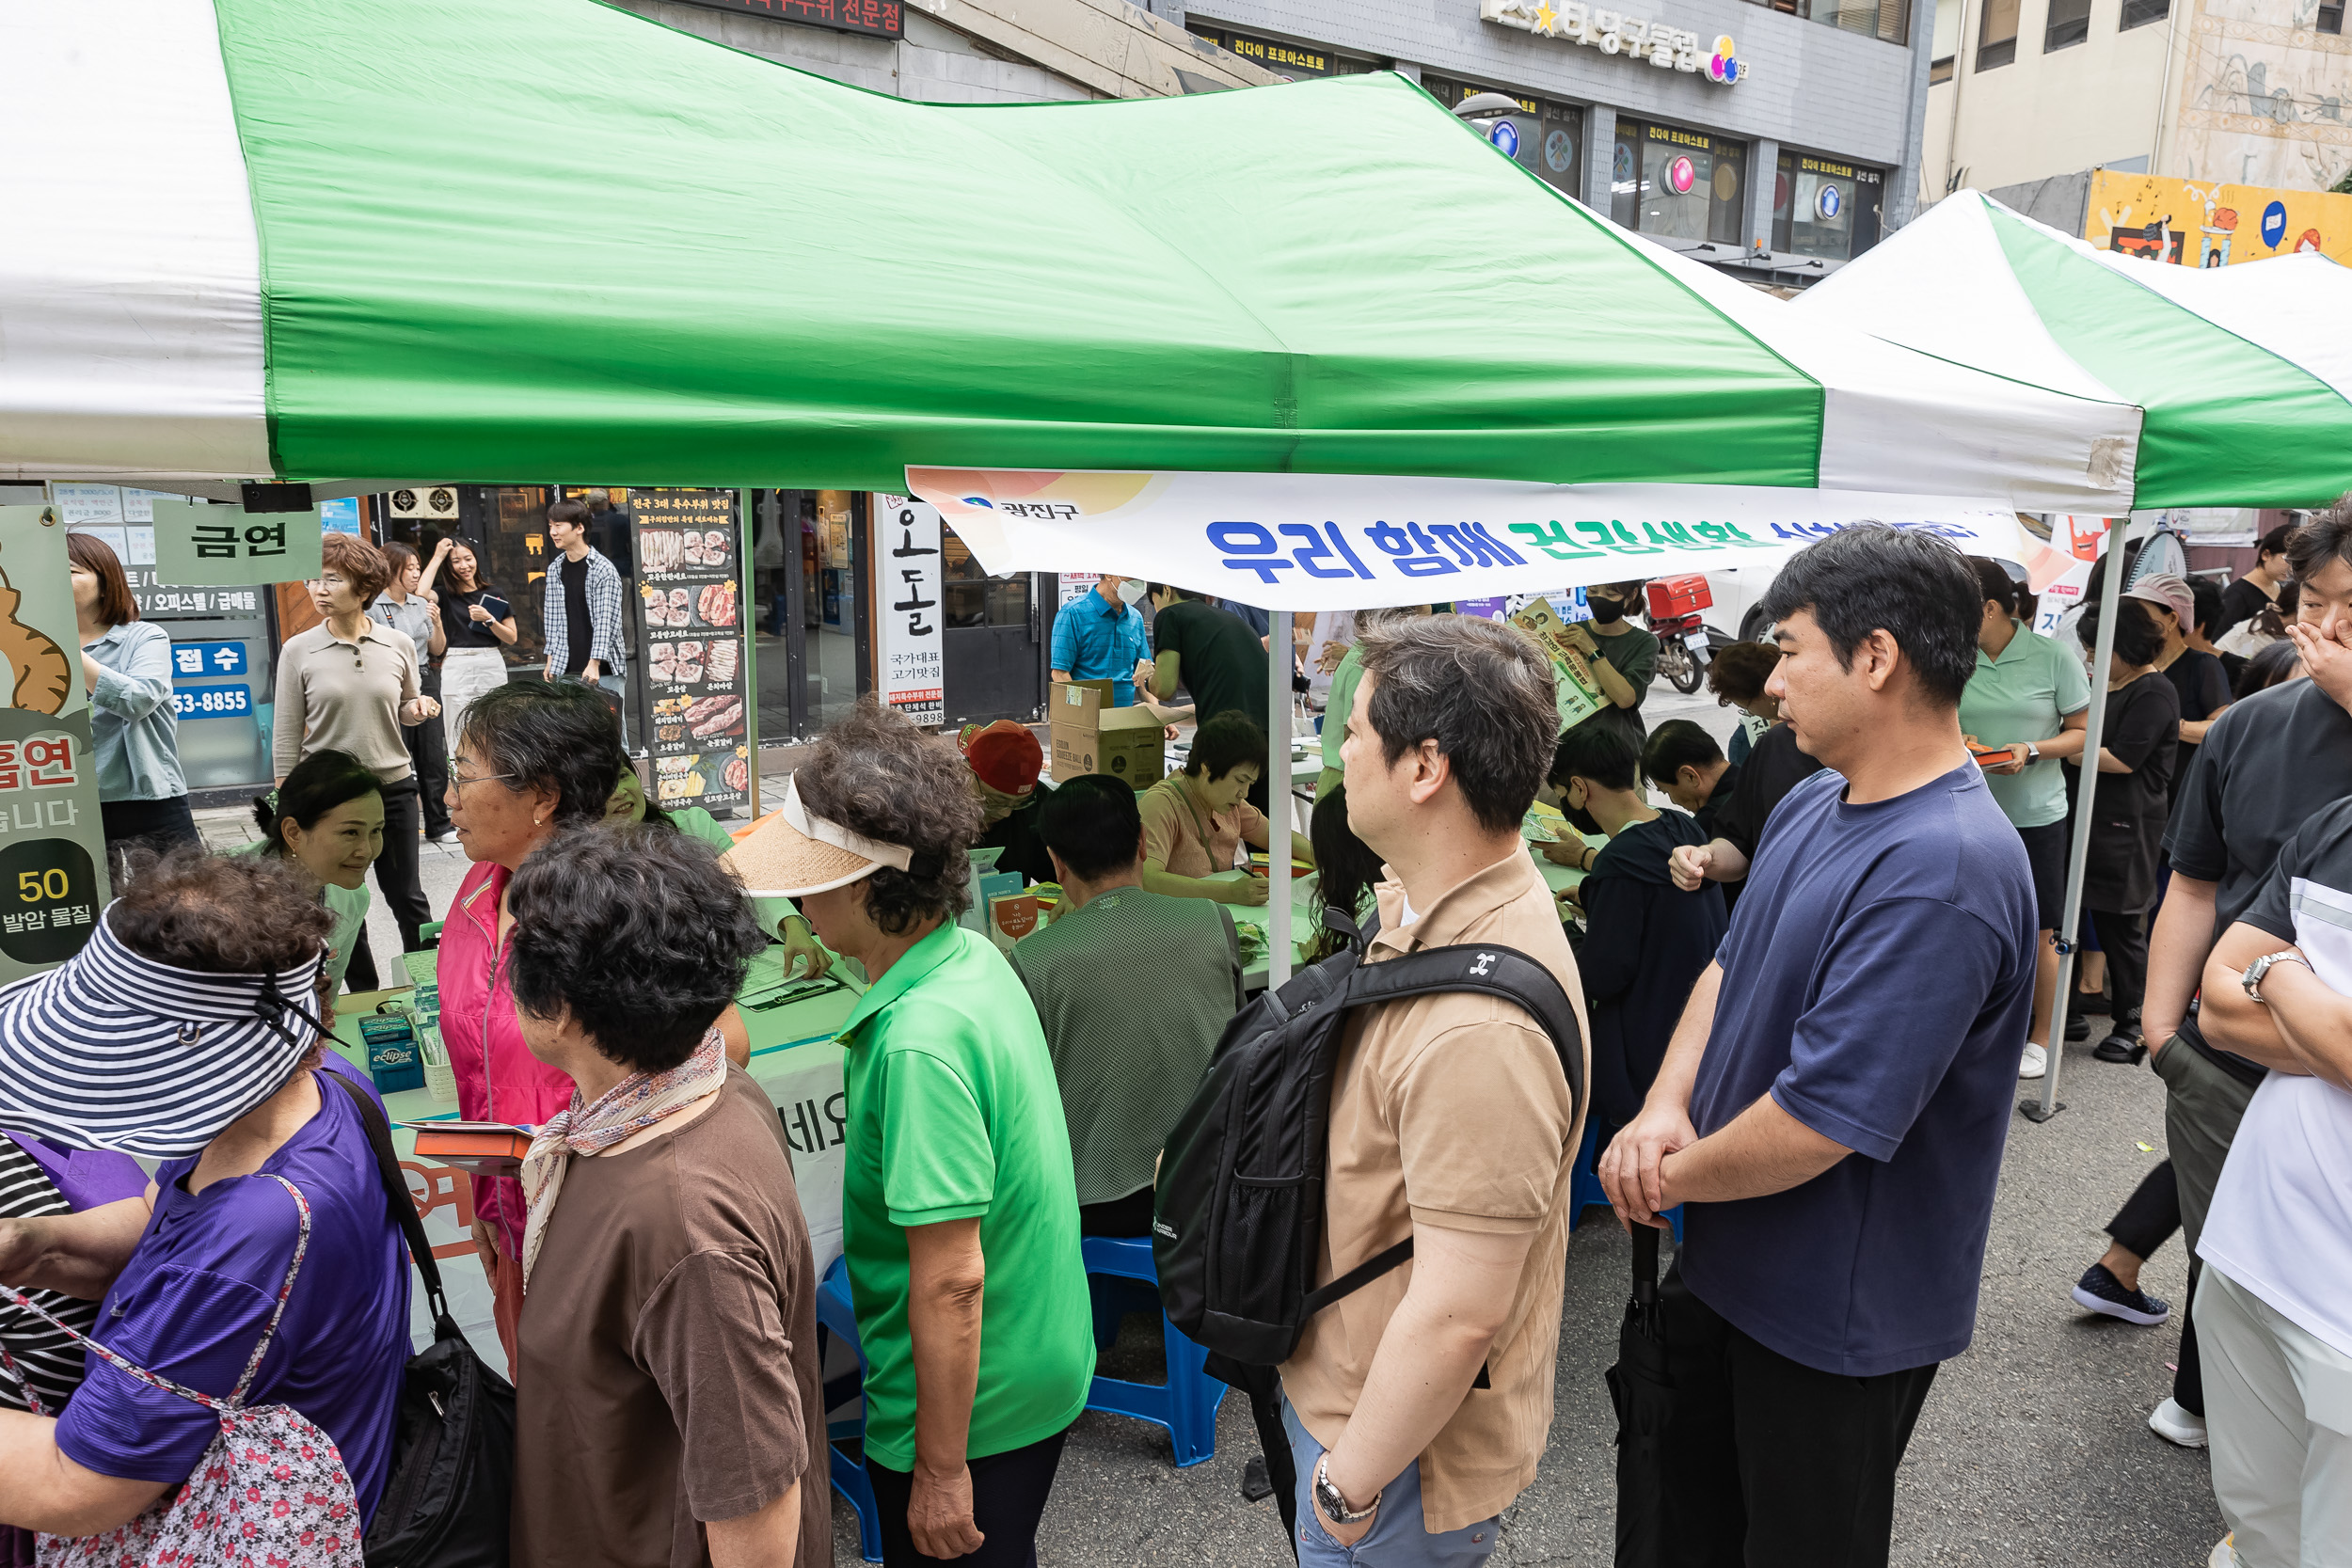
688, 545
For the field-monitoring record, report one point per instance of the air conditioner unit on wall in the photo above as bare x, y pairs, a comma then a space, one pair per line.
425, 502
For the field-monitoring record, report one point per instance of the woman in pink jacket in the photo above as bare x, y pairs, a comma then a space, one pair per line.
531, 758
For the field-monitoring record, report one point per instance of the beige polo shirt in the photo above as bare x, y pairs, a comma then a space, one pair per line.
337, 696
1452, 1110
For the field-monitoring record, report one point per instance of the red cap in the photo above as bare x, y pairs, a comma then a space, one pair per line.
1005, 756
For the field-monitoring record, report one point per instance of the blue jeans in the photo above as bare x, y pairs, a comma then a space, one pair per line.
1396, 1539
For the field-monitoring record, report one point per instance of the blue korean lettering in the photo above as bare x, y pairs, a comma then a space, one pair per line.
1239, 540
1314, 550
1415, 554
1474, 547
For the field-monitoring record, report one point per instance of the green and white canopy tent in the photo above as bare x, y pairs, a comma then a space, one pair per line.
354, 243
2241, 409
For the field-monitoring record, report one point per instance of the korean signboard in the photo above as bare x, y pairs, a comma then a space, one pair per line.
688, 555
880, 17
1614, 32
907, 586
53, 845
196, 543
1309, 542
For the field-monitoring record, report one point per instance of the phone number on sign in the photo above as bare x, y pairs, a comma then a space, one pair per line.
211, 702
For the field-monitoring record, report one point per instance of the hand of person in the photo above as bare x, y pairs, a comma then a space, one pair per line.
2328, 657
485, 1243
1567, 852
800, 946
431, 609
592, 672
1630, 1167
1689, 865
1250, 890
1347, 1535
426, 708
1573, 895
1329, 660
475, 612
938, 1514
1143, 673
441, 551
2016, 763
1575, 635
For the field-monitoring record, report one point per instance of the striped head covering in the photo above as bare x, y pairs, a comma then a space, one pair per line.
111, 1049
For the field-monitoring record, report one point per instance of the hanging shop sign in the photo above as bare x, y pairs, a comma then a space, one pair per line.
53, 843
910, 586
1614, 32
197, 545
879, 18
1312, 542
689, 553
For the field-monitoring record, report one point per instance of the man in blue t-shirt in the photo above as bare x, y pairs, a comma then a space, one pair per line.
1833, 1107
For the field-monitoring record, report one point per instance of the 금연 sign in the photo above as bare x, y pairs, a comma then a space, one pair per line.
910, 583
212, 547
53, 843
1309, 541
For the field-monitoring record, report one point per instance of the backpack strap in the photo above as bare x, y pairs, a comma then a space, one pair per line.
396, 1198
1503, 973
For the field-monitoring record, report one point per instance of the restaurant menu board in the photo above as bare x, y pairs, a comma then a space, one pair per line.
689, 560
907, 535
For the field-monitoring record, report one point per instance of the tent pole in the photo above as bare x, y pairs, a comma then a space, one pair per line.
1277, 795
2078, 851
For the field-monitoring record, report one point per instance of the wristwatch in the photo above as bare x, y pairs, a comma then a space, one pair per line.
2033, 752
1332, 1505
2252, 978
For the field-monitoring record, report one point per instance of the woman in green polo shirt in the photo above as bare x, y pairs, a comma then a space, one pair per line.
959, 1205
2029, 694
327, 818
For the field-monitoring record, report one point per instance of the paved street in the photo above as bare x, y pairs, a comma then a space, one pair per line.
2033, 1447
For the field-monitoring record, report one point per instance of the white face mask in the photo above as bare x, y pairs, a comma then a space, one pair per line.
1130, 591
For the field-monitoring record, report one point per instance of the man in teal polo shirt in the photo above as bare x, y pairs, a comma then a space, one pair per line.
2029, 694
1101, 636
959, 1207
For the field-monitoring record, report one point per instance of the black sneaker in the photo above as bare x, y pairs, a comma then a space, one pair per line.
2101, 1291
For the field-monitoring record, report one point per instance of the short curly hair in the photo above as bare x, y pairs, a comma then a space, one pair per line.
638, 932
1737, 674
878, 776
555, 735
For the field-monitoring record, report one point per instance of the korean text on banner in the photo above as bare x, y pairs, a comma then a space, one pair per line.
912, 583
53, 843
1313, 542
205, 547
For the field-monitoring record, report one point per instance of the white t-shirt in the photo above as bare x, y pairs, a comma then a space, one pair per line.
2282, 1219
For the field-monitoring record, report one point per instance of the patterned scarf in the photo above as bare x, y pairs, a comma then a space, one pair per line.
636, 1103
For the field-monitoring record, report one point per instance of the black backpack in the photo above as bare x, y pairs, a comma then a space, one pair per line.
446, 1503
1237, 1225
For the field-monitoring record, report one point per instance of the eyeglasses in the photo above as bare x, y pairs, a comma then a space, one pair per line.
460, 779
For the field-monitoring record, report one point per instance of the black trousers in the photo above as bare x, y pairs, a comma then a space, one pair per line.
1009, 1492
2147, 1221
150, 826
1771, 1464
2124, 938
428, 753
396, 867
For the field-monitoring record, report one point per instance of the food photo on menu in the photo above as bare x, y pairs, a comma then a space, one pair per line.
669, 549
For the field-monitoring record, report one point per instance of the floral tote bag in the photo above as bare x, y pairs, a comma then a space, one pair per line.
271, 1492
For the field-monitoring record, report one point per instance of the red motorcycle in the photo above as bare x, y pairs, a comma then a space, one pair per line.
1684, 643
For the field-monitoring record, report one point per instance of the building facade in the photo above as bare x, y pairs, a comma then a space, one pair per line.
2251, 93
1776, 141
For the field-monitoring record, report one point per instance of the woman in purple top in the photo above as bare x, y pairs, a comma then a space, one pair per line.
181, 1031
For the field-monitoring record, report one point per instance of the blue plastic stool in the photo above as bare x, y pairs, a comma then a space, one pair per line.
835, 1316
1584, 1189
1186, 1404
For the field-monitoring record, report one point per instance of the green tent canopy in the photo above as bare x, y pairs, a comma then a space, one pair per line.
2232, 419
358, 242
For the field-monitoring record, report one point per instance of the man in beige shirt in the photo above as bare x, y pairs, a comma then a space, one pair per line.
1450, 1123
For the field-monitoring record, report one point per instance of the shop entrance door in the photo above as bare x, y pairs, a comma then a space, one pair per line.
992, 646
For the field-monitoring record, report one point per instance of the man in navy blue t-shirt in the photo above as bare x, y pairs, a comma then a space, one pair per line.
1834, 1105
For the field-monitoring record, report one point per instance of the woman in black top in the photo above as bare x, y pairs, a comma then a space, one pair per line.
2137, 751
478, 626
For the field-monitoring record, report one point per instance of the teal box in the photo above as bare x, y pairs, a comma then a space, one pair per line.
393, 1062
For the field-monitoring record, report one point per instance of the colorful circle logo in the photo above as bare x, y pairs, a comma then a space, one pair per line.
1558, 152
1681, 175
1724, 66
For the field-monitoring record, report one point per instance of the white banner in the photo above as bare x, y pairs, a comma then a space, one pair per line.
910, 586
1313, 542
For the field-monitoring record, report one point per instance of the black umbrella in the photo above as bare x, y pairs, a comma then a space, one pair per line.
1640, 1388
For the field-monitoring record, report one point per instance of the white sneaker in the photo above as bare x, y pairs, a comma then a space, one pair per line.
2176, 1425
2224, 1552
2036, 1062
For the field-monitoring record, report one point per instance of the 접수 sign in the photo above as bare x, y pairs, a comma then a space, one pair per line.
1311, 542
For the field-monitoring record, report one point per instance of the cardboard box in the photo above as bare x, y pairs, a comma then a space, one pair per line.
1092, 737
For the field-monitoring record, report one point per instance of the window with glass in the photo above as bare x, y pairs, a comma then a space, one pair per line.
1292, 61
1996, 34
2330, 16
1547, 137
1888, 20
2139, 13
1677, 183
1947, 24
2068, 23
1826, 209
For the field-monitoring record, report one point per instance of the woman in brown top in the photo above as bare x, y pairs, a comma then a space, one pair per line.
668, 1410
1195, 822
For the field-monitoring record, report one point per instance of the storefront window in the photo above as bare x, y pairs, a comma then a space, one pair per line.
1889, 20
974, 597
1826, 209
1291, 61
1550, 135
1677, 183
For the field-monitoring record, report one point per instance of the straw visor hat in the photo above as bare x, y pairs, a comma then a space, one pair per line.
795, 852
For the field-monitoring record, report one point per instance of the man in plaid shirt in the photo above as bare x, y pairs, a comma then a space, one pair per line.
582, 609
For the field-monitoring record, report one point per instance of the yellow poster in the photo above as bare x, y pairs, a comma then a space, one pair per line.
2196, 223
